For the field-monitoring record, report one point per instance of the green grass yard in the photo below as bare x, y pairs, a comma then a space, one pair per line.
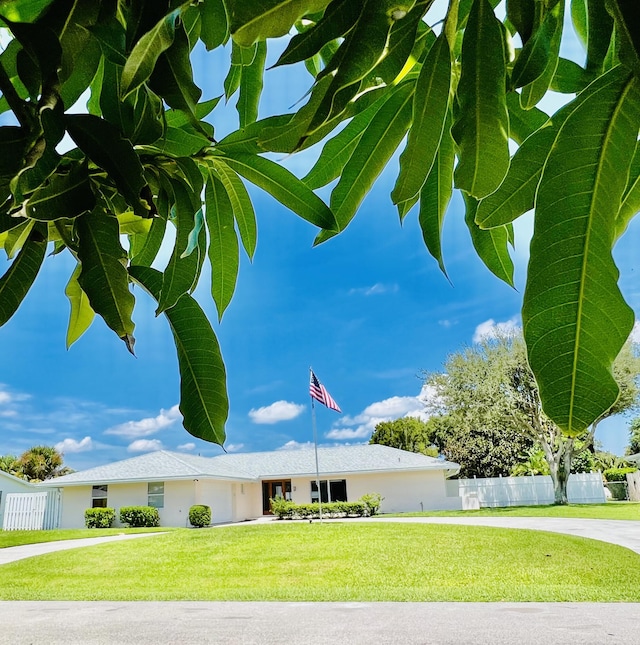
16, 538
347, 561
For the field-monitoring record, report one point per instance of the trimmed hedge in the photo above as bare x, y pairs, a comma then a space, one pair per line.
99, 518
617, 474
200, 515
366, 506
137, 516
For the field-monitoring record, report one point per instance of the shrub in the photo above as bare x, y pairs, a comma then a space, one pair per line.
136, 516
200, 515
99, 518
617, 474
372, 502
366, 506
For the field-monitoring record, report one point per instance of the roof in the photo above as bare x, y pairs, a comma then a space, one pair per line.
341, 460
13, 478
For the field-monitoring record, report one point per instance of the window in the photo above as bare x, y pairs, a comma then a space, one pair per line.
99, 496
155, 493
335, 490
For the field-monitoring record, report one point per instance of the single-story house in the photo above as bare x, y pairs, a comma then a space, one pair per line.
238, 486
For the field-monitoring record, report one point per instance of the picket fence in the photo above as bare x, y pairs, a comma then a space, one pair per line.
582, 488
32, 511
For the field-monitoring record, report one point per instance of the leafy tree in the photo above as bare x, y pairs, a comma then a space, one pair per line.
9, 464
634, 437
490, 386
42, 462
460, 87
407, 433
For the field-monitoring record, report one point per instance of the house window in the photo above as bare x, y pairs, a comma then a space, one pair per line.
155, 493
99, 496
334, 490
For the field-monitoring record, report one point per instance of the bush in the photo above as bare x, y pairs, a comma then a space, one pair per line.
200, 515
617, 474
137, 516
366, 506
372, 502
99, 518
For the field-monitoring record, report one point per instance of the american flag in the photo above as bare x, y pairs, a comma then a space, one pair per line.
319, 393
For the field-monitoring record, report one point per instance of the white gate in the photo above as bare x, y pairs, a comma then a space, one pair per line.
32, 511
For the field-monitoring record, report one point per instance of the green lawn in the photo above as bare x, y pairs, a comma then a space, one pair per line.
16, 538
334, 562
608, 511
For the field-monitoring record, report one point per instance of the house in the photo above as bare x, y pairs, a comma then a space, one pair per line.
27, 506
238, 486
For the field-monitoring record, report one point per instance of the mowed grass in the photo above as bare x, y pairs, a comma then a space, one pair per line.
334, 562
17, 538
608, 511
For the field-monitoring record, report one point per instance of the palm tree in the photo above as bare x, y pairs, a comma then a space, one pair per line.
41, 462
10, 464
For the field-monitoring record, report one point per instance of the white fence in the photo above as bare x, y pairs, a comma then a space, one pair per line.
32, 511
633, 486
582, 488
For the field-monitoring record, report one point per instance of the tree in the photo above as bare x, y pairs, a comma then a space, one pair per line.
42, 462
490, 386
459, 87
634, 437
406, 433
9, 464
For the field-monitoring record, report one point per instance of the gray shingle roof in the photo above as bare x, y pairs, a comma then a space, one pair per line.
164, 465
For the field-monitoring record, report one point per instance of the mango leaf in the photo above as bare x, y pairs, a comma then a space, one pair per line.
145, 248
103, 276
81, 315
215, 23
376, 146
569, 77
522, 14
436, 195
17, 237
600, 31
16, 282
223, 244
285, 187
627, 22
251, 86
142, 59
631, 199
182, 270
64, 196
430, 109
105, 146
203, 392
23, 10
482, 128
575, 319
523, 123
252, 21
247, 139
490, 245
178, 142
241, 204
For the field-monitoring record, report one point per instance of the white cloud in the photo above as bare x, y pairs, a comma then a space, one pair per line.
490, 329
234, 447
635, 332
145, 445
187, 446
341, 434
295, 445
5, 398
69, 445
146, 427
375, 290
278, 411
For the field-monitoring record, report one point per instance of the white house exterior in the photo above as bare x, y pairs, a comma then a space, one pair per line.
238, 486
23, 503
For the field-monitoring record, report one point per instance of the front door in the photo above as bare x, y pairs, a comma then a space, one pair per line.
272, 490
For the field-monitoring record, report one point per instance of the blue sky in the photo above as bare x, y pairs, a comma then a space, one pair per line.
369, 310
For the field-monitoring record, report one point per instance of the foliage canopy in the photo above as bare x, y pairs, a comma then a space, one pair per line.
460, 87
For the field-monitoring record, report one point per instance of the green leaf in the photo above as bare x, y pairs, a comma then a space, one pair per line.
215, 23
436, 195
522, 15
251, 86
145, 248
16, 282
575, 319
23, 10
430, 109
627, 22
482, 128
14, 143
17, 237
241, 204
490, 245
182, 270
285, 187
223, 244
103, 277
376, 146
203, 392
81, 315
181, 143
631, 199
569, 77
246, 139
523, 123
252, 21
105, 146
143, 57
64, 196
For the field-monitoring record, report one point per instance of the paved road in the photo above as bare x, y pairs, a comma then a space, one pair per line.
157, 623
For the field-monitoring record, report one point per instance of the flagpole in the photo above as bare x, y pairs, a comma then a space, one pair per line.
315, 445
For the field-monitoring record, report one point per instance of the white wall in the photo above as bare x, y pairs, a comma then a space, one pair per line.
247, 501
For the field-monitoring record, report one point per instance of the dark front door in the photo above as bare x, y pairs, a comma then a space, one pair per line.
272, 490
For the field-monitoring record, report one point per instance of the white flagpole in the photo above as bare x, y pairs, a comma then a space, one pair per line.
315, 445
